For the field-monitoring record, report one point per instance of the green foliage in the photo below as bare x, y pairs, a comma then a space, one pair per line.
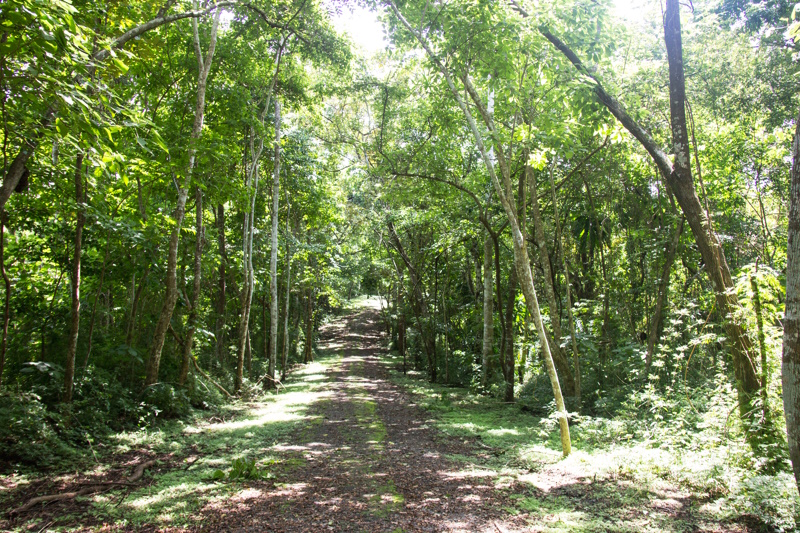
167, 401
771, 500
242, 469
30, 432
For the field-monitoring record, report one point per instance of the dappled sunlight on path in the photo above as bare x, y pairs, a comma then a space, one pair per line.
368, 460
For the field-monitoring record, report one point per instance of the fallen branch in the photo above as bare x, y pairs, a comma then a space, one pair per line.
276, 381
217, 385
91, 489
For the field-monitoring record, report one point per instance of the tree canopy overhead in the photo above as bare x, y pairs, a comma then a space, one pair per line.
557, 208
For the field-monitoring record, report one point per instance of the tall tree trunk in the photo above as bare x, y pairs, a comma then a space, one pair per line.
559, 358
219, 331
171, 285
790, 361
75, 293
762, 346
7, 284
488, 312
568, 287
191, 322
663, 289
273, 258
498, 291
265, 329
247, 259
308, 350
137, 297
401, 322
96, 299
285, 350
508, 357
246, 301
249, 355
708, 242
505, 193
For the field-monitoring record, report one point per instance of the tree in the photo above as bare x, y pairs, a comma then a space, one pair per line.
171, 290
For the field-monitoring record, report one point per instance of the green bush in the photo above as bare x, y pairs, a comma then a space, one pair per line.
28, 431
772, 500
164, 400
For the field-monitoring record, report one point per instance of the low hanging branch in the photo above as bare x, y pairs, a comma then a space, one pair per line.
90, 489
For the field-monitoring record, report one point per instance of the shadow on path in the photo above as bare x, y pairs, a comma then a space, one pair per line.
370, 461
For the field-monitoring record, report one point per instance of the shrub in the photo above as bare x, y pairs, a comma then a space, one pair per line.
27, 431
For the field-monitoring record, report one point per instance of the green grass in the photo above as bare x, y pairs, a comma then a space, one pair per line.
619, 477
251, 432
242, 430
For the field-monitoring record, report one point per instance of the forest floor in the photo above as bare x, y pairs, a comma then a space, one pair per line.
350, 444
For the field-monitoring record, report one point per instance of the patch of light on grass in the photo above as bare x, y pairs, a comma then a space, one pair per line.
503, 431
265, 418
168, 496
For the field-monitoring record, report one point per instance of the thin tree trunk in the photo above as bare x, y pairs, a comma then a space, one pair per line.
488, 312
508, 357
246, 301
7, 305
285, 351
75, 296
498, 291
135, 306
762, 346
568, 286
401, 323
663, 289
191, 323
219, 331
273, 259
790, 361
94, 304
171, 289
446, 338
308, 356
249, 356
265, 329
559, 358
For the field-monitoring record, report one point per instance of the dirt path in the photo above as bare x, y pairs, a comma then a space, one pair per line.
370, 462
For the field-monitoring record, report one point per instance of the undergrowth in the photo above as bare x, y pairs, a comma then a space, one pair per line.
655, 443
208, 457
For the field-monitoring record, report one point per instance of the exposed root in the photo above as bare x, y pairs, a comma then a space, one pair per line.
90, 489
